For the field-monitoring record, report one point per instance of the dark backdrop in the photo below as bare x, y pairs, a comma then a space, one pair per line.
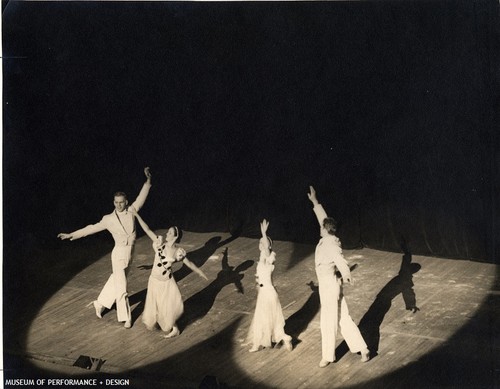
388, 108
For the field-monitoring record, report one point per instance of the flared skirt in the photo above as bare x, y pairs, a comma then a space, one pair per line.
163, 305
268, 323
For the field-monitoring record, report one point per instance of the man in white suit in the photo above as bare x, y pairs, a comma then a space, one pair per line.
121, 224
334, 311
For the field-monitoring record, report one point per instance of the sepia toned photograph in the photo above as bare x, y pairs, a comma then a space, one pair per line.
251, 194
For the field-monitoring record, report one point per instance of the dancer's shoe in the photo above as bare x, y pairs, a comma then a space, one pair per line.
98, 308
365, 355
175, 331
324, 363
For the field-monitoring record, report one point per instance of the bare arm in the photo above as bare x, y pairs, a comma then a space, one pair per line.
194, 268
264, 240
143, 224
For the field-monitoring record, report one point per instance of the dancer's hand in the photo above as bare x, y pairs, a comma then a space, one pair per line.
312, 195
147, 173
64, 236
180, 254
264, 226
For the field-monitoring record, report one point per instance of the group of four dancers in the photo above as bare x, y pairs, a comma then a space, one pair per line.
164, 304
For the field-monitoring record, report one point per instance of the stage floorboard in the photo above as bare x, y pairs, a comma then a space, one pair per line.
451, 341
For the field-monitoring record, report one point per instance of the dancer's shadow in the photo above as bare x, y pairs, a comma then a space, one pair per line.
201, 255
298, 322
198, 257
401, 284
139, 297
198, 305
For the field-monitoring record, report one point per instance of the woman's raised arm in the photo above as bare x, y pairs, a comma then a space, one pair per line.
143, 224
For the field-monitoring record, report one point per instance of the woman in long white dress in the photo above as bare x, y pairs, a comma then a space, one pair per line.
164, 305
268, 323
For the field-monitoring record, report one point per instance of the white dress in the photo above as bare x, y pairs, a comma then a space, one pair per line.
163, 299
268, 322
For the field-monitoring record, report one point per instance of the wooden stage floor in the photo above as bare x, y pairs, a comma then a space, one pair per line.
451, 341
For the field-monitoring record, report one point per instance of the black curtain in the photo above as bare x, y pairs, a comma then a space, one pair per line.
388, 108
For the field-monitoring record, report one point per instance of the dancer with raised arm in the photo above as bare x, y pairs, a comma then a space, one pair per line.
121, 224
334, 311
268, 323
164, 305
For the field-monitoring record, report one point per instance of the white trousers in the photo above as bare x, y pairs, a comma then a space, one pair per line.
334, 313
115, 289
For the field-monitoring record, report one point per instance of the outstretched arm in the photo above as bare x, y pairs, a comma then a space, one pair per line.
190, 264
264, 225
88, 230
143, 194
312, 196
143, 224
265, 246
318, 209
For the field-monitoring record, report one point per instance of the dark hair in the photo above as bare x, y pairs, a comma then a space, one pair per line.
120, 194
330, 225
270, 243
178, 233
